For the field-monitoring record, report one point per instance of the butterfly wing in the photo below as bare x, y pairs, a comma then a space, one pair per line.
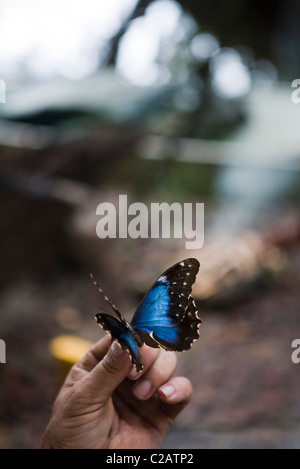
122, 333
167, 315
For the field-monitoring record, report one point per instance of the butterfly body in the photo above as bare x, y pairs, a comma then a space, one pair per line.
166, 317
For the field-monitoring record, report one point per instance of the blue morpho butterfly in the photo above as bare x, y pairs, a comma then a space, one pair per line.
167, 315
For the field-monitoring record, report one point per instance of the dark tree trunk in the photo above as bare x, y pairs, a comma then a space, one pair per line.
138, 11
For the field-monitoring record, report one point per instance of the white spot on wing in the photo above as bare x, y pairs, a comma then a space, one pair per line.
162, 279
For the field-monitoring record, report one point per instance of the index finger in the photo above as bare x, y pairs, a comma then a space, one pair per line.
150, 355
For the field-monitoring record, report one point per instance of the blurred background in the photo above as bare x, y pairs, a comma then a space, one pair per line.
164, 100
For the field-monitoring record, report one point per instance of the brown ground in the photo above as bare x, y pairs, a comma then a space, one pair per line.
246, 388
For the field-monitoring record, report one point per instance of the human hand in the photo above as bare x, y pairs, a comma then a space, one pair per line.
105, 404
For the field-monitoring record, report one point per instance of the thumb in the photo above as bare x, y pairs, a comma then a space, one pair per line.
109, 373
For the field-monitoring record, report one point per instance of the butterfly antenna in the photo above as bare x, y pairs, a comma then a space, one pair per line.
113, 307
104, 310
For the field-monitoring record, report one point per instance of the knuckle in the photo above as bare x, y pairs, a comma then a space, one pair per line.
110, 365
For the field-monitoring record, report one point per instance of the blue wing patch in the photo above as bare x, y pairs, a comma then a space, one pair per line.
122, 333
167, 316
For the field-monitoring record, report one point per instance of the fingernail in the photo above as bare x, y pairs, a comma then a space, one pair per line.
142, 389
133, 373
168, 390
117, 349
